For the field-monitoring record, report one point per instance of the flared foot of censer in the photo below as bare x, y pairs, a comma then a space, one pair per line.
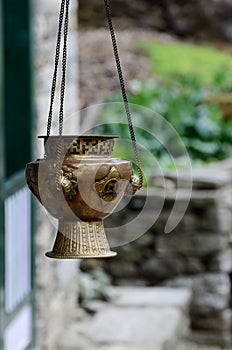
77, 240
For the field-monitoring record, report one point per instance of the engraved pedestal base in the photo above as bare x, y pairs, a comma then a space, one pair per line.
77, 240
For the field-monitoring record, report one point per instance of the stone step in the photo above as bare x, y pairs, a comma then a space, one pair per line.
158, 297
139, 318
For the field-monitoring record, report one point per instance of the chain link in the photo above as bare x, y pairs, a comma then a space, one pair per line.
124, 92
62, 96
63, 25
57, 58
64, 68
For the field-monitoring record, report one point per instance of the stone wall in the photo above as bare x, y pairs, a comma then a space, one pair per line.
56, 281
195, 18
197, 254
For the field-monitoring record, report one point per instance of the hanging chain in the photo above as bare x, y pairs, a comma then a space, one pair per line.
57, 58
63, 24
64, 67
64, 12
124, 92
62, 96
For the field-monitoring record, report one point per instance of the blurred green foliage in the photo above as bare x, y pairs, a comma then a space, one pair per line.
205, 64
184, 77
206, 134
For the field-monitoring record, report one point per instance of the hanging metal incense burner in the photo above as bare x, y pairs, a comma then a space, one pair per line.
78, 181
92, 184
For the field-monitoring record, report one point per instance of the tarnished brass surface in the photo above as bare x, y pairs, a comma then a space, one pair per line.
92, 185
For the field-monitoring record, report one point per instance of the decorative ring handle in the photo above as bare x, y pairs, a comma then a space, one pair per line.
134, 185
68, 184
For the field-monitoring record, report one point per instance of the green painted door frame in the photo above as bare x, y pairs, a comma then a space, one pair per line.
17, 84
2, 175
16, 238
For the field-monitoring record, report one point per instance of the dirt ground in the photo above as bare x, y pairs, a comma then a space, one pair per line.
98, 74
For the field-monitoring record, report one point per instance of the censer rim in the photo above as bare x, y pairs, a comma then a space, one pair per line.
80, 136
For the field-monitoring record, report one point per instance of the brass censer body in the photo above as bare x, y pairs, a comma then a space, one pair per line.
92, 183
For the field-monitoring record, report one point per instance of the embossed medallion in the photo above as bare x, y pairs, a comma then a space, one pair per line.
108, 187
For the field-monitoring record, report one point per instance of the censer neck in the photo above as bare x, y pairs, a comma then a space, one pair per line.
75, 146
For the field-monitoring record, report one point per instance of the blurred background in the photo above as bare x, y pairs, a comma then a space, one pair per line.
162, 291
176, 57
